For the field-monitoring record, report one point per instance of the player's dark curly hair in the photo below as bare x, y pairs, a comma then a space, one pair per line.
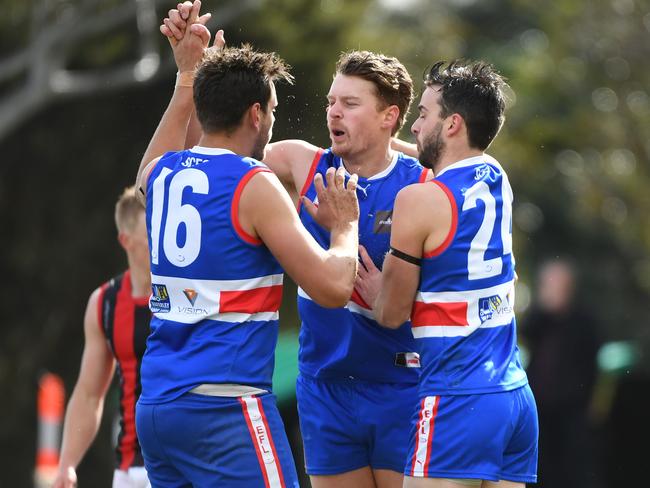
474, 90
231, 80
391, 79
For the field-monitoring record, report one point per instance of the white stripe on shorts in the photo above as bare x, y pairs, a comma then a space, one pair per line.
261, 436
424, 436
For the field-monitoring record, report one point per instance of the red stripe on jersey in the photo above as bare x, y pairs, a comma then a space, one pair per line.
423, 175
439, 313
263, 299
234, 209
123, 333
454, 222
432, 424
268, 433
310, 176
249, 424
356, 298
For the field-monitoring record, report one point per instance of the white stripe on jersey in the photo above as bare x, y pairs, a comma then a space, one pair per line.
204, 301
499, 316
351, 306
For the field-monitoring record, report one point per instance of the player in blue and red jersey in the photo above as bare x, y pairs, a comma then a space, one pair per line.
116, 327
452, 270
222, 230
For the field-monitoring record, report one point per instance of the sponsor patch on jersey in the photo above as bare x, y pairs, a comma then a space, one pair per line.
159, 301
190, 295
493, 305
383, 222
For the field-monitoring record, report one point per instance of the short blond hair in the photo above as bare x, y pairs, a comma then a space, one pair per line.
127, 210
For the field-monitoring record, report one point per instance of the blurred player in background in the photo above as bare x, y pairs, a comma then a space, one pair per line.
116, 326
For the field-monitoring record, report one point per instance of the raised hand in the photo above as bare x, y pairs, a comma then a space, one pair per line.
368, 281
337, 202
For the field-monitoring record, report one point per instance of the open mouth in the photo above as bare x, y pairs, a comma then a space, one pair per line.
338, 132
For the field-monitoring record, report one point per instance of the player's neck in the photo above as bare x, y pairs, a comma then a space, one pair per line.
452, 156
370, 162
140, 279
236, 142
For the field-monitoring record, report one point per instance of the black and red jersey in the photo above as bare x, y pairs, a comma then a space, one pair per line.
124, 321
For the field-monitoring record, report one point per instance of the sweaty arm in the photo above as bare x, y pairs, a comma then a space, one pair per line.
421, 222
84, 411
327, 276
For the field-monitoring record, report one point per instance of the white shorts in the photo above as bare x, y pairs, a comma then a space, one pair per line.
135, 477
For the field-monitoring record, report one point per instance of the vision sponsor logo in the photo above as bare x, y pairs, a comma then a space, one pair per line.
383, 222
493, 305
191, 295
192, 161
159, 301
192, 311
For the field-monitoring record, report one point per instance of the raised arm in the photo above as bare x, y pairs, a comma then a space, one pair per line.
172, 130
327, 276
84, 412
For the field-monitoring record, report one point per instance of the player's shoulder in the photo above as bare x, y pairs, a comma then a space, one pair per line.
425, 193
294, 151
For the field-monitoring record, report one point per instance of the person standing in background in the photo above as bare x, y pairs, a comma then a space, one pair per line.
562, 340
116, 326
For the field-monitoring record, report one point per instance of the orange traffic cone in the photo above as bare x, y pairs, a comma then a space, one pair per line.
51, 398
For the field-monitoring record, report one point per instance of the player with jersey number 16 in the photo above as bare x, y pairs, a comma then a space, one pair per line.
451, 268
222, 231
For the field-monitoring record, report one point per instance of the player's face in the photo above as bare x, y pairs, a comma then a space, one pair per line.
428, 129
266, 126
354, 118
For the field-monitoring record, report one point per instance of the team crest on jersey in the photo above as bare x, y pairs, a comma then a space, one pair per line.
487, 307
383, 222
159, 301
191, 295
485, 172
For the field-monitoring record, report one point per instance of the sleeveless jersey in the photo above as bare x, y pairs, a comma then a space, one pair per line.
347, 343
463, 314
124, 321
216, 290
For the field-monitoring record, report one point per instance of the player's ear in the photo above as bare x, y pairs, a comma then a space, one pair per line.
391, 115
124, 239
455, 124
254, 114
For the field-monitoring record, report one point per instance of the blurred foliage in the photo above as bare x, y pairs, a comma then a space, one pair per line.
575, 145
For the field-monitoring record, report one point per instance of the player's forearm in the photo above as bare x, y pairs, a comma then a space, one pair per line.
388, 314
343, 261
82, 420
171, 132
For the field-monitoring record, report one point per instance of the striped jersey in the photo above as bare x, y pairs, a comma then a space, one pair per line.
216, 290
124, 321
463, 315
347, 343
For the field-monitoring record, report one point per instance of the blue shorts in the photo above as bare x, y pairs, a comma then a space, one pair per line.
206, 441
490, 436
347, 425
